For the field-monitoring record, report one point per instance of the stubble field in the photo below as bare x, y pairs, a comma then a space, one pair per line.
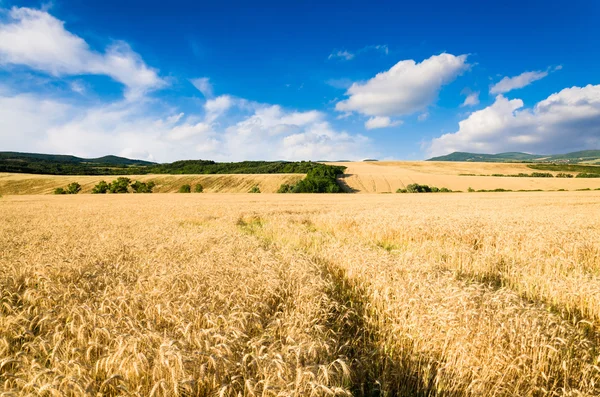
300, 295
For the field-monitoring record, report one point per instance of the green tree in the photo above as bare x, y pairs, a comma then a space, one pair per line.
73, 188
285, 188
142, 187
255, 189
59, 190
119, 185
185, 189
198, 188
101, 188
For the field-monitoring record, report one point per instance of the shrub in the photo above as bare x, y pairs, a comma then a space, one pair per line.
73, 188
101, 188
185, 189
285, 188
198, 188
142, 187
119, 185
416, 188
563, 175
471, 189
255, 189
587, 175
542, 175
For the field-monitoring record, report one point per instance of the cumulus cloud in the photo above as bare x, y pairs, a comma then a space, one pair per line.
472, 99
203, 85
381, 122
565, 121
36, 39
228, 129
406, 88
512, 83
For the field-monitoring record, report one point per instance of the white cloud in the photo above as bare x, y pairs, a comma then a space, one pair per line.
344, 55
78, 86
423, 116
228, 129
347, 55
512, 83
383, 48
566, 121
36, 39
381, 122
203, 85
472, 99
406, 88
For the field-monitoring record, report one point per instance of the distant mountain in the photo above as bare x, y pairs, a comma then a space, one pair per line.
585, 156
60, 158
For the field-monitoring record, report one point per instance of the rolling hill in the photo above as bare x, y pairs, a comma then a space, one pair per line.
60, 158
585, 156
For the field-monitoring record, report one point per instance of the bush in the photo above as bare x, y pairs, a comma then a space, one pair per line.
198, 188
416, 188
285, 188
101, 188
587, 175
541, 175
119, 185
471, 189
185, 189
73, 188
255, 189
563, 175
142, 187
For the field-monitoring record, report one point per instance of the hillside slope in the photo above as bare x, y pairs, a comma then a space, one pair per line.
17, 184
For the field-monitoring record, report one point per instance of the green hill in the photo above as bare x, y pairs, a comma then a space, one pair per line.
52, 164
60, 158
512, 157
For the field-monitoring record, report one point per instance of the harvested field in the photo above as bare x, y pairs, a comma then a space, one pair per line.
389, 176
300, 295
223, 183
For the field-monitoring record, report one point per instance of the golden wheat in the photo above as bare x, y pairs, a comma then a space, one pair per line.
300, 295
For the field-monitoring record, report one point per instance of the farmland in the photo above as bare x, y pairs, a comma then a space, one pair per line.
487, 294
388, 176
14, 184
359, 177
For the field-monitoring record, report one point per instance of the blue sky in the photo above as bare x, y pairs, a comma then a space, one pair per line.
236, 80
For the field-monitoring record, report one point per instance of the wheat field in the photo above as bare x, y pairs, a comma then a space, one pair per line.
23, 184
389, 176
300, 295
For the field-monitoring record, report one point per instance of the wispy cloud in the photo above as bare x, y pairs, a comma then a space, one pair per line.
344, 55
347, 55
381, 122
472, 98
512, 83
203, 85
